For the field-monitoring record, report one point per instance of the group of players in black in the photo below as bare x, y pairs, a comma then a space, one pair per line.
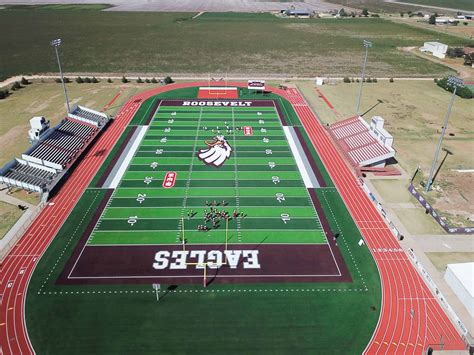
214, 215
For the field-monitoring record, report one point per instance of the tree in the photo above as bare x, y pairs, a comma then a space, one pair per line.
79, 80
139, 80
391, 80
24, 81
456, 52
168, 80
16, 86
154, 81
147, 81
346, 80
342, 13
4, 94
402, 14
87, 80
469, 59
109, 81
365, 12
124, 80
432, 20
94, 80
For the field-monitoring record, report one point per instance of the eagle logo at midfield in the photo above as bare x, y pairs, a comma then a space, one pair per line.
216, 153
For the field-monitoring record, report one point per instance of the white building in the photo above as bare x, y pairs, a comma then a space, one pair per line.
437, 49
460, 277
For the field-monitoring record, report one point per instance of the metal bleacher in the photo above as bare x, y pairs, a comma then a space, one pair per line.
64, 144
30, 175
47, 161
87, 115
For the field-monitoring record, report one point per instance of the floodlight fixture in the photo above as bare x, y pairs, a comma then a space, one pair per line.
455, 83
55, 43
367, 44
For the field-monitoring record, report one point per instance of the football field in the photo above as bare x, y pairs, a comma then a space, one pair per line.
218, 184
228, 189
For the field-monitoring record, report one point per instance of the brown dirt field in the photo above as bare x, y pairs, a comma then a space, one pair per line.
441, 260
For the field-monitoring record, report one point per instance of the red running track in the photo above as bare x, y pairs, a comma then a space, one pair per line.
397, 331
411, 319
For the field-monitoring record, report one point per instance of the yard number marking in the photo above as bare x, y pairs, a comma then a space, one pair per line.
167, 130
275, 179
280, 197
163, 140
159, 151
148, 180
268, 151
154, 165
266, 140
285, 217
141, 198
271, 164
261, 121
170, 121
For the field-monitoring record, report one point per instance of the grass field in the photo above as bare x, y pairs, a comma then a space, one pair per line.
414, 113
466, 5
173, 43
239, 317
10, 215
46, 99
441, 260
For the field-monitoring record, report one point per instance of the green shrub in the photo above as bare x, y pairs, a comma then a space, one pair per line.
168, 80
346, 80
109, 80
24, 81
4, 94
139, 80
79, 80
124, 80
374, 80
154, 81
463, 92
94, 80
391, 80
87, 80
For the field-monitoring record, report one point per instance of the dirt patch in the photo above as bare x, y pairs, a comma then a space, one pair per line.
441, 260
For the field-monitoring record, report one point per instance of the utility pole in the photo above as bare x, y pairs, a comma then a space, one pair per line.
55, 43
455, 83
367, 45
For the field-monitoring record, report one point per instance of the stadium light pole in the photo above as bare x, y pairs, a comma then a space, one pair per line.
55, 43
455, 83
367, 45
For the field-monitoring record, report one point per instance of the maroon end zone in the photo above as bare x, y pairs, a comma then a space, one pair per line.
243, 263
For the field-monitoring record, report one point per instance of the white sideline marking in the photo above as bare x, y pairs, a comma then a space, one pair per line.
131, 152
299, 161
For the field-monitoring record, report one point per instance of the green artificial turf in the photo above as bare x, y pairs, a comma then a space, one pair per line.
223, 318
